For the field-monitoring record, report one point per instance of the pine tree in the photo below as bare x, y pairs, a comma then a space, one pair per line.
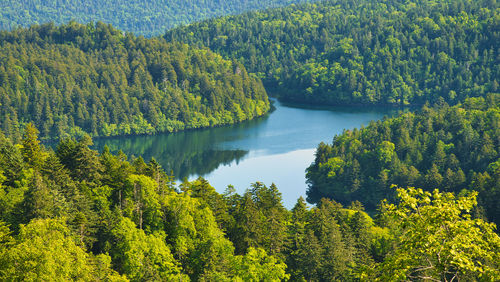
31, 149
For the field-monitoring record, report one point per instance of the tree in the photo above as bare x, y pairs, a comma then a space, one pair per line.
40, 201
88, 167
142, 257
385, 152
31, 149
201, 189
145, 207
256, 265
438, 239
44, 250
336, 255
11, 162
92, 98
296, 240
196, 240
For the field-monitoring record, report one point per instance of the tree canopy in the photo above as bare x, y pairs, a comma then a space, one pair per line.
438, 240
142, 17
127, 220
443, 147
76, 79
366, 52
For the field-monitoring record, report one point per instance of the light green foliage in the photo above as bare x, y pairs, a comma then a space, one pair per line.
206, 194
201, 246
332, 167
196, 240
130, 211
11, 199
45, 251
256, 265
437, 239
385, 152
145, 201
142, 257
6, 239
2, 178
153, 232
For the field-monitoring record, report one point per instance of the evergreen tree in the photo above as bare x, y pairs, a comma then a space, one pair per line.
31, 150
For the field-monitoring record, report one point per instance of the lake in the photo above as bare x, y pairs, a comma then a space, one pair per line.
276, 148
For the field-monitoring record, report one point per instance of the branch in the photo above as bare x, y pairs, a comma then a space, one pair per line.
423, 268
439, 253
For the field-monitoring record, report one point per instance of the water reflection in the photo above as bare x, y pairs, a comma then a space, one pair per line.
275, 148
187, 153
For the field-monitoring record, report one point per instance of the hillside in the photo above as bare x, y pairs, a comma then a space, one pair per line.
363, 52
142, 17
449, 148
76, 79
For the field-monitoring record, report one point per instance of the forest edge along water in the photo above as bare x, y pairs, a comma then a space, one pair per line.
275, 148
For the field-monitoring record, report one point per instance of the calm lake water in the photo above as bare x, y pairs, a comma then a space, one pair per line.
276, 148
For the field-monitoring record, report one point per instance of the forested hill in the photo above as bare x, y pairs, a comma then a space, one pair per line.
75, 78
449, 148
145, 17
74, 214
363, 52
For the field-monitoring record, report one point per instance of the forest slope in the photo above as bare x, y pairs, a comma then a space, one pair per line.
363, 52
75, 78
144, 17
449, 148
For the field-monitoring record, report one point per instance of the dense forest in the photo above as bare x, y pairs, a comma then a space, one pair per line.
363, 52
449, 148
75, 214
75, 79
144, 17
71, 213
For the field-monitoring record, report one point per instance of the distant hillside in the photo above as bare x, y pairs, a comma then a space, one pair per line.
75, 78
145, 17
363, 52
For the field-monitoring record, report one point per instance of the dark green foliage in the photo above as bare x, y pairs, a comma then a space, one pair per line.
449, 148
145, 17
11, 161
77, 79
363, 52
260, 220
